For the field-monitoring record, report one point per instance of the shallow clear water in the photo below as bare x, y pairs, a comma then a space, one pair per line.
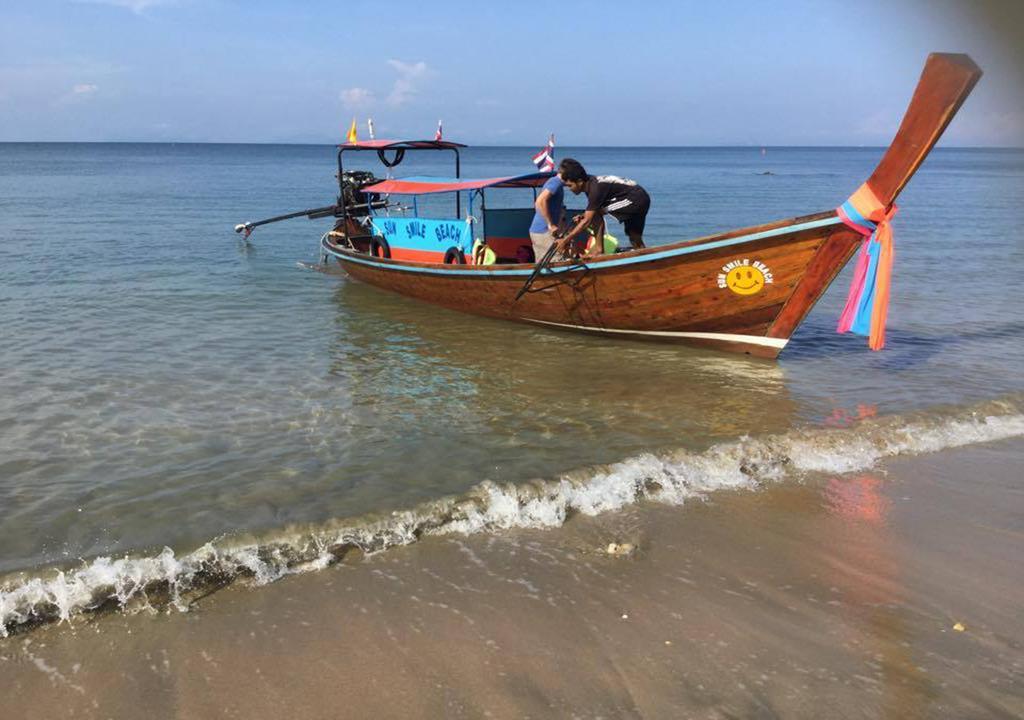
163, 384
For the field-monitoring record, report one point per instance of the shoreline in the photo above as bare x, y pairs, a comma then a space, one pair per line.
166, 579
833, 595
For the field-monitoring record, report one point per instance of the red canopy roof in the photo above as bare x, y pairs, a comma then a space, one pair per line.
425, 185
401, 145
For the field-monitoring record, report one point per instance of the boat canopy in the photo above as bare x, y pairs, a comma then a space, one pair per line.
425, 185
401, 145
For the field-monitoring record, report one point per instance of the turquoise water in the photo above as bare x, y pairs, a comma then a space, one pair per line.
164, 384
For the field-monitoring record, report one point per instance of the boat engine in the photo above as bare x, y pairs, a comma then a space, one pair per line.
352, 196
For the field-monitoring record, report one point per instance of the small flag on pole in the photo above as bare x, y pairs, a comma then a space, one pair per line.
545, 159
439, 133
369, 126
352, 133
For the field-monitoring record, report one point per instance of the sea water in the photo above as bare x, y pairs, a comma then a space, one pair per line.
177, 404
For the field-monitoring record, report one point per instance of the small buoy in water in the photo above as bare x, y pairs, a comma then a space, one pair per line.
959, 627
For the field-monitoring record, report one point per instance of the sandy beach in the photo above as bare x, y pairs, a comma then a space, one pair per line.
892, 593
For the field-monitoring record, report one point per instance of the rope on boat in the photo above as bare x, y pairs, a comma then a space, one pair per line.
399, 156
544, 261
323, 253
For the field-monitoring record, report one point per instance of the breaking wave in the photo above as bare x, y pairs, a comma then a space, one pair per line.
170, 580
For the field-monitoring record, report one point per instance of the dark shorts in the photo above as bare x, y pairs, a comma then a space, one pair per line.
633, 222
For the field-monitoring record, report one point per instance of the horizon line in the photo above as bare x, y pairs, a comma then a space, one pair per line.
332, 144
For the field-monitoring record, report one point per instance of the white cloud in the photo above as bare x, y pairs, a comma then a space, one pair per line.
405, 87
357, 97
79, 93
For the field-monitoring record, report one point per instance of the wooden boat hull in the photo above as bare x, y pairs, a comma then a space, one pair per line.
744, 291
672, 293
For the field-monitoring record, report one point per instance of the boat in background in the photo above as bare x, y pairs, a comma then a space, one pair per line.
745, 291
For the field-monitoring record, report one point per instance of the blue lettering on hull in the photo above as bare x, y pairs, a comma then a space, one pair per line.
422, 234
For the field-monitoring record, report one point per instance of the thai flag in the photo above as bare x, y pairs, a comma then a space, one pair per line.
437, 135
545, 159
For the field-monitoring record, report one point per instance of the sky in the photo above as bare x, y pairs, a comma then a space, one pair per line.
785, 72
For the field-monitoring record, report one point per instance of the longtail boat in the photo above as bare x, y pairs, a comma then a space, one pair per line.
745, 290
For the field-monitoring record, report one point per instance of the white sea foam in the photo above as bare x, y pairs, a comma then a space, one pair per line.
170, 580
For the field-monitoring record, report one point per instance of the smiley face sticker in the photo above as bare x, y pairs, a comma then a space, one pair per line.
745, 277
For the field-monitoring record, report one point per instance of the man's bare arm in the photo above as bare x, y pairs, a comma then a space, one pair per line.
582, 225
541, 204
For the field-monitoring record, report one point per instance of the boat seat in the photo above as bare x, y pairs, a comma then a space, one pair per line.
508, 231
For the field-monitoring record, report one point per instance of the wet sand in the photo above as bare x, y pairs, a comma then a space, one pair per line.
834, 596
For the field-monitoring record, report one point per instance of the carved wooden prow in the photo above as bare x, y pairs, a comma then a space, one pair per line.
945, 83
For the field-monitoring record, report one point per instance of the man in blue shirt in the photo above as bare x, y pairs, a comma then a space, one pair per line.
549, 216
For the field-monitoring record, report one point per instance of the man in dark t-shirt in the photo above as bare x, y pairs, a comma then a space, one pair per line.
623, 199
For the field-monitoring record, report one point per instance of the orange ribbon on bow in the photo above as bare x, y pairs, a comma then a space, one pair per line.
869, 207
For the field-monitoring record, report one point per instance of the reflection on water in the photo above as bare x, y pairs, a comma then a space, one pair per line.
842, 417
484, 388
848, 563
867, 571
857, 498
